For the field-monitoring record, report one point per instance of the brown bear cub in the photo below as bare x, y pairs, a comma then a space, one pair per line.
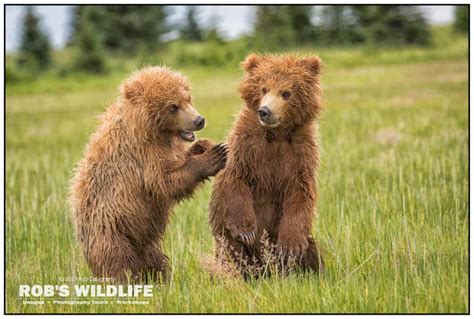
136, 167
269, 182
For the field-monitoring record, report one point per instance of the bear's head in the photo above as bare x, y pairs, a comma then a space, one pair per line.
158, 100
282, 91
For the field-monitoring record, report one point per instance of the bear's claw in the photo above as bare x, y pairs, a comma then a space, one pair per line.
248, 238
220, 151
215, 159
292, 248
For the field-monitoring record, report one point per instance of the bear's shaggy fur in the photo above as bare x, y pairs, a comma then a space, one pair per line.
136, 166
269, 182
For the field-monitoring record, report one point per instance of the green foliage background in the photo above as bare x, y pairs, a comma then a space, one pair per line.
100, 31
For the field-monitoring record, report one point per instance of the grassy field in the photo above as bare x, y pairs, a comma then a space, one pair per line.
392, 215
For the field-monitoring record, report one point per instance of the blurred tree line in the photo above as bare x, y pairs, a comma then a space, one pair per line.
34, 44
98, 31
340, 25
461, 18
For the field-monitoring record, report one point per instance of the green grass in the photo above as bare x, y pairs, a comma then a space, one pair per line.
392, 212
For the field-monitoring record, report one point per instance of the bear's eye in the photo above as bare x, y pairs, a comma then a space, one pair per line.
286, 94
264, 91
174, 108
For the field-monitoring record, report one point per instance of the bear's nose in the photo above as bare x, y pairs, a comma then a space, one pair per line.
199, 122
264, 113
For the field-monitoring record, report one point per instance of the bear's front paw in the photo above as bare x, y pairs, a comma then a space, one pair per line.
214, 160
245, 232
200, 146
292, 244
248, 238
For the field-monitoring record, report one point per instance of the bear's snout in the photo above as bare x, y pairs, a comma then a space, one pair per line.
199, 122
264, 113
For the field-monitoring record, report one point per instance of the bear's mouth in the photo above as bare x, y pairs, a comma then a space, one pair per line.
270, 124
187, 135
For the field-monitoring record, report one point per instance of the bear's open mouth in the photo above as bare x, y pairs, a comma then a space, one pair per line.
187, 135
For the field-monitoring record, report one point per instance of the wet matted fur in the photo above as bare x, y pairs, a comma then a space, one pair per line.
269, 182
135, 168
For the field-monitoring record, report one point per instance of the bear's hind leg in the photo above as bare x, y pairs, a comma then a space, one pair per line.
313, 258
157, 263
115, 258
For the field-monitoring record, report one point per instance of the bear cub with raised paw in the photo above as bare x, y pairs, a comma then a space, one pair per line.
137, 165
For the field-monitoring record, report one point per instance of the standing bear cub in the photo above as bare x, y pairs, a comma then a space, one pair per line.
137, 165
269, 182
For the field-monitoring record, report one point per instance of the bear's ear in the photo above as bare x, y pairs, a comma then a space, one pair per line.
251, 62
312, 63
131, 89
